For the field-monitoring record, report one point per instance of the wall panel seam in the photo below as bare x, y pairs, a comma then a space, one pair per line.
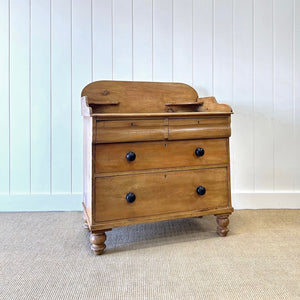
293, 83
132, 41
71, 91
112, 39
233, 77
92, 42
253, 93
51, 96
213, 49
152, 49
193, 43
30, 97
273, 89
9, 98
172, 40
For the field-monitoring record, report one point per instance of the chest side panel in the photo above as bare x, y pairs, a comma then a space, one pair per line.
88, 170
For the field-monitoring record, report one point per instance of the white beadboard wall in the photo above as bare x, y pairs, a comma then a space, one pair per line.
244, 52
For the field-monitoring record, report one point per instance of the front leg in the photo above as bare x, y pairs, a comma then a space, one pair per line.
222, 221
98, 239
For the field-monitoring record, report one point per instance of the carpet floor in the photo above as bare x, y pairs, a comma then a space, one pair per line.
47, 256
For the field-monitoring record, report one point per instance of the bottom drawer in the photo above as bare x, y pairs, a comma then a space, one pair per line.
130, 196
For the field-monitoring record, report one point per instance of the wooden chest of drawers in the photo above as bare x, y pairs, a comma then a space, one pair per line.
152, 152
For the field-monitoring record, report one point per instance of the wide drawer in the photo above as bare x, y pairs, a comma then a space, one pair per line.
131, 130
160, 193
197, 128
152, 155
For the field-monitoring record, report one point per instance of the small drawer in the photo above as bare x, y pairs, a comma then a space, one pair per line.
197, 128
152, 155
130, 196
131, 131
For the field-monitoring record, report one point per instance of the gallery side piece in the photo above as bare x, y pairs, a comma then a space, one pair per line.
152, 151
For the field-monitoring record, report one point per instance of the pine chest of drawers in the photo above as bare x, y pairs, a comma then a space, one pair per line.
153, 151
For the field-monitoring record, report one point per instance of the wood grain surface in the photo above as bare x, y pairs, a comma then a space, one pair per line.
152, 155
157, 129
159, 193
131, 130
136, 96
201, 127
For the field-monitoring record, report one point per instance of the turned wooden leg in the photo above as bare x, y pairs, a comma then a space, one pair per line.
85, 224
222, 221
97, 239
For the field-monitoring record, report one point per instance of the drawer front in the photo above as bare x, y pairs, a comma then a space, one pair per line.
151, 155
197, 128
131, 131
160, 193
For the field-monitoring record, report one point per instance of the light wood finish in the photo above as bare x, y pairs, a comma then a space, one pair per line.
197, 128
162, 124
131, 130
184, 104
109, 116
211, 104
159, 193
161, 129
183, 107
136, 96
149, 171
87, 111
102, 225
154, 155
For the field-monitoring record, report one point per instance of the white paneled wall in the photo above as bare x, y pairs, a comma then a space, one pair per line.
246, 53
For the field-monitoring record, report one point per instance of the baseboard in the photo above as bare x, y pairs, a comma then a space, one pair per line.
41, 202
72, 202
276, 200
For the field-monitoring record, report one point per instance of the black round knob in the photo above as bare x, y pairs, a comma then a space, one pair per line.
201, 190
199, 151
130, 156
130, 197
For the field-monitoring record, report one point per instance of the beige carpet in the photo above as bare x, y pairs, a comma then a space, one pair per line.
47, 256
